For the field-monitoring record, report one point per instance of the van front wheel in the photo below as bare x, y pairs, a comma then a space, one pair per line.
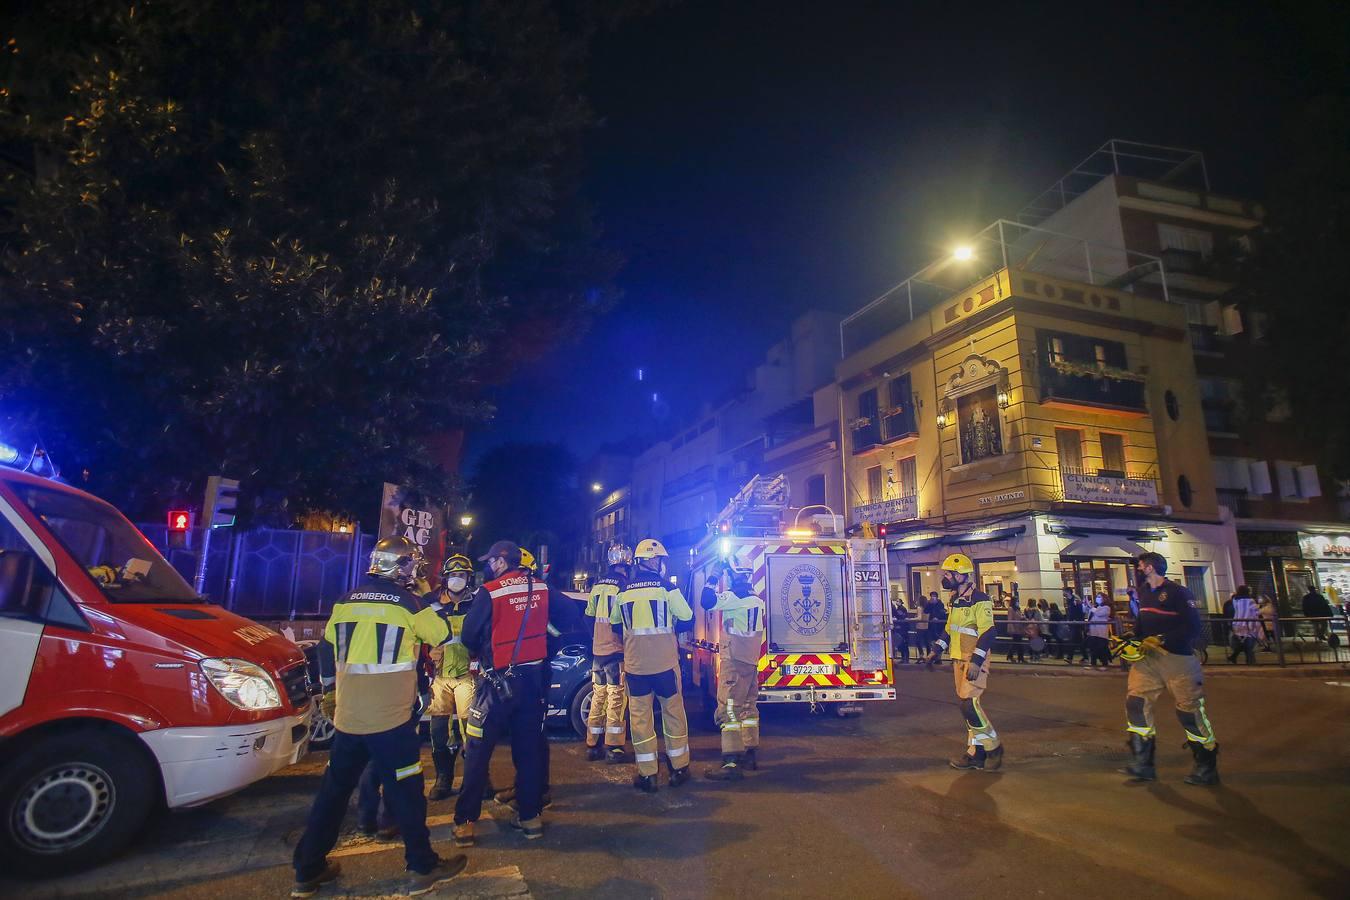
71, 801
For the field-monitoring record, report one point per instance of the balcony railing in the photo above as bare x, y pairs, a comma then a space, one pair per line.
1128, 489
898, 425
1103, 388
866, 434
882, 429
897, 509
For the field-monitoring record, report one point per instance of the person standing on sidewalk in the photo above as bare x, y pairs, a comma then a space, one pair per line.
1167, 614
738, 654
972, 632
899, 631
1075, 618
376, 678
937, 619
1246, 626
1099, 632
1016, 625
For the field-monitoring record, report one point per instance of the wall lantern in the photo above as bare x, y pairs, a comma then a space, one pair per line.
944, 413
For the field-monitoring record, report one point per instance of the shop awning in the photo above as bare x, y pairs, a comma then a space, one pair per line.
992, 534
918, 543
1102, 546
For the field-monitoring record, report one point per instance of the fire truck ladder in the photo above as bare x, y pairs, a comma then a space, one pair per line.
872, 619
757, 507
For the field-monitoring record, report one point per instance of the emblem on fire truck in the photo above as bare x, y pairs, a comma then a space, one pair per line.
807, 599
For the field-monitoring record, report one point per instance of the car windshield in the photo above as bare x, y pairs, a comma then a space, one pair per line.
121, 561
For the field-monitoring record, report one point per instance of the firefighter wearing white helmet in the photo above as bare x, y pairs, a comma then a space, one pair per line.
645, 613
970, 635
609, 700
742, 643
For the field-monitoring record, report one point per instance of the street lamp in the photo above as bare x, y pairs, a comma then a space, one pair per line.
596, 487
466, 520
963, 253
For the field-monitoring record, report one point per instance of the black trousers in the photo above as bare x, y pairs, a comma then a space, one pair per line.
397, 758
522, 720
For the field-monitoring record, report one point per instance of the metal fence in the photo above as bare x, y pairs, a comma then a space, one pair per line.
1279, 641
267, 573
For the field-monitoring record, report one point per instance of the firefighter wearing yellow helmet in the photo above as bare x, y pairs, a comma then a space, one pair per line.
970, 635
456, 679
645, 613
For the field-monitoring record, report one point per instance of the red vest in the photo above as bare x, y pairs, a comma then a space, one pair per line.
510, 595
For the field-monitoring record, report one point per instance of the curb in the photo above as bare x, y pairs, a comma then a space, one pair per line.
1311, 671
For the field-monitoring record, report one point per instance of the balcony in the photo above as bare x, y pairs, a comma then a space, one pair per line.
882, 512
898, 425
1070, 383
869, 432
1115, 488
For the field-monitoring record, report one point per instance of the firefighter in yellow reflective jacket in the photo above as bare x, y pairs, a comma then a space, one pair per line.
737, 712
646, 612
372, 641
452, 688
609, 699
970, 635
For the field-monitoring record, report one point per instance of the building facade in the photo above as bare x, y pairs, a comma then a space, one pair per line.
1049, 428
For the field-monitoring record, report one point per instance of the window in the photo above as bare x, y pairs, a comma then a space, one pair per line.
1069, 442
1184, 492
1220, 398
1189, 240
1113, 452
875, 486
1062, 348
867, 404
909, 482
815, 490
1173, 407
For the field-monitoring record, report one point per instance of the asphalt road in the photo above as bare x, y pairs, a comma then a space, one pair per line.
859, 808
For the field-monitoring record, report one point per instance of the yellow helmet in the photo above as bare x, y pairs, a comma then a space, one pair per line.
649, 549
958, 562
527, 560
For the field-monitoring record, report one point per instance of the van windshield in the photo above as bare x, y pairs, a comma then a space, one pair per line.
121, 561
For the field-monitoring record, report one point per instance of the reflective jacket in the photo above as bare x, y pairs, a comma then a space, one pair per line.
970, 618
452, 659
647, 609
600, 606
376, 632
742, 623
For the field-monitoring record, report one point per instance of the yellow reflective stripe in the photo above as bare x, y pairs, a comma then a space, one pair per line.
731, 726
751, 723
1141, 730
408, 771
473, 730
375, 668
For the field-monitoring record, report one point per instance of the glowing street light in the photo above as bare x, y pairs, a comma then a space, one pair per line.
596, 487
963, 253
465, 520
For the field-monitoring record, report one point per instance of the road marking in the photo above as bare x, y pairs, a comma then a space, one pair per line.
1339, 683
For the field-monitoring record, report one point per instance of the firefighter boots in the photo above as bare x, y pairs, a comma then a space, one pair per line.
463, 834
1141, 767
595, 754
617, 755
677, 776
730, 770
993, 759
750, 761
1206, 769
444, 760
972, 760
645, 783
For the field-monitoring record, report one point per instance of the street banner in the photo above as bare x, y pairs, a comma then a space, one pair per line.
405, 515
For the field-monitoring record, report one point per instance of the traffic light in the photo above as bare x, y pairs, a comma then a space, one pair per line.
222, 494
180, 520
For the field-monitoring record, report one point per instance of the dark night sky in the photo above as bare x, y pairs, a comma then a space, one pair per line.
759, 159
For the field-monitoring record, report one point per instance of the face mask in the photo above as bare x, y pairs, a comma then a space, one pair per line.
456, 583
948, 581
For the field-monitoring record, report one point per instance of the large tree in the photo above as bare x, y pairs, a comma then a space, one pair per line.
284, 240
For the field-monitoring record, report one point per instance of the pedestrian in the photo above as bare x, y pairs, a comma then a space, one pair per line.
971, 630
937, 619
455, 681
507, 629
1076, 636
609, 698
1168, 625
1099, 631
899, 631
375, 681
645, 612
1246, 626
1016, 630
1132, 600
1318, 609
1034, 623
739, 649
1266, 612
1055, 633
921, 637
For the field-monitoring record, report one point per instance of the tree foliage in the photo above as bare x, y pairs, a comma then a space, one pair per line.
284, 240
1294, 275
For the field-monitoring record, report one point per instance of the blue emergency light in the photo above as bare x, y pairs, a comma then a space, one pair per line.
8, 455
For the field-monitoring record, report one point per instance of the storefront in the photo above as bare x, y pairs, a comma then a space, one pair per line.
1273, 565
1043, 554
1329, 554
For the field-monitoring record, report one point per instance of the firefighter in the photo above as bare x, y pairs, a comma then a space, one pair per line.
609, 700
453, 686
506, 628
970, 636
376, 677
737, 711
1167, 628
645, 612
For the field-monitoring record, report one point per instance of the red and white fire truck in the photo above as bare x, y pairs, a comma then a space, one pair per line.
121, 689
827, 640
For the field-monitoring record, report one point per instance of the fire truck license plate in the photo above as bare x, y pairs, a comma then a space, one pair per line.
809, 670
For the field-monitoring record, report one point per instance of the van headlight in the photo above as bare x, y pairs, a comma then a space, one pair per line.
242, 683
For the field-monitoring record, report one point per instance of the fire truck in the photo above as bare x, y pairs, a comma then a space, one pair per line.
121, 689
827, 642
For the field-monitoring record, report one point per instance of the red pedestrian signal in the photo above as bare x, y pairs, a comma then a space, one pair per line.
179, 520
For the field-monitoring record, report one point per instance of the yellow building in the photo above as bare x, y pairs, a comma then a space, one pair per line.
1032, 412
